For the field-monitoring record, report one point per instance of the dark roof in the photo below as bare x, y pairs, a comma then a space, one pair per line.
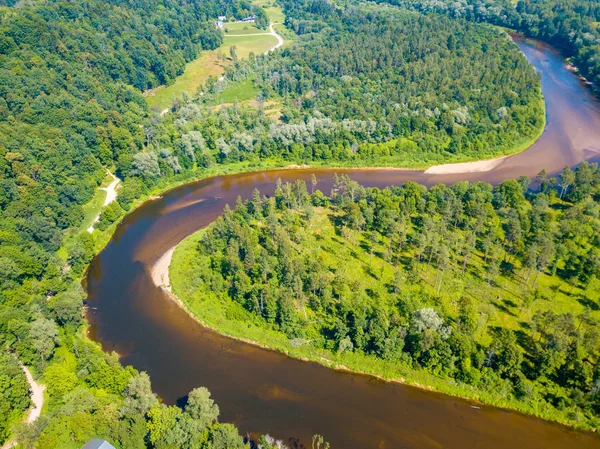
94, 443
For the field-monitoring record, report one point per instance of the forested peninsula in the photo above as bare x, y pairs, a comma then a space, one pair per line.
72, 78
487, 293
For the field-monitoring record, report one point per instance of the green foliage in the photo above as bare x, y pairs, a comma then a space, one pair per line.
572, 25
109, 215
405, 275
71, 107
400, 107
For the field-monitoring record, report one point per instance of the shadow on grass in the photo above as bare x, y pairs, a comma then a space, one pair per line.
586, 302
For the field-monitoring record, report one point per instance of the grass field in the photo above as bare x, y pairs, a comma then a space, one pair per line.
248, 44
274, 12
242, 91
242, 28
195, 74
206, 65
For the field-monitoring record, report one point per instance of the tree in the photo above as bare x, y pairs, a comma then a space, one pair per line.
66, 307
201, 407
138, 395
225, 436
467, 316
509, 194
44, 335
233, 53
145, 165
509, 355
567, 179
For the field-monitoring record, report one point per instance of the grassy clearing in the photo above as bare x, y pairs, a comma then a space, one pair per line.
195, 74
248, 44
273, 11
242, 28
206, 65
242, 91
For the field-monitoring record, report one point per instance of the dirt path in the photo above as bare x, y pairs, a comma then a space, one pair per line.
271, 32
111, 195
37, 397
277, 36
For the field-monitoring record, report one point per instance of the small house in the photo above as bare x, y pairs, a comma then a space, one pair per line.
249, 19
95, 443
222, 18
219, 24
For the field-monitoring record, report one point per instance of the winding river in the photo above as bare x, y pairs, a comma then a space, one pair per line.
264, 391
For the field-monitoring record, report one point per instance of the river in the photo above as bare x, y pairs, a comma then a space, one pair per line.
267, 392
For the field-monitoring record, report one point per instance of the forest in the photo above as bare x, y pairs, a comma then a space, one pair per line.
453, 91
493, 289
72, 77
568, 24
71, 107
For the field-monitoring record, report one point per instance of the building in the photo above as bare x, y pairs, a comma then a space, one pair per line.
95, 443
222, 18
249, 19
219, 24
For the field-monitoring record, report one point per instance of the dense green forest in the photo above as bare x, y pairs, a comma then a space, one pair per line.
71, 107
452, 90
496, 290
568, 24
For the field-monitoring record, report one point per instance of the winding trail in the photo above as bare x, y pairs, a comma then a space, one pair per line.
111, 195
271, 32
280, 40
37, 397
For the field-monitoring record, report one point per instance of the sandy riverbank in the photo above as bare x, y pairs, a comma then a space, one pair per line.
466, 167
160, 270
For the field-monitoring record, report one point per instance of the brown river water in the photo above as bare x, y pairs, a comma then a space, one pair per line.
267, 392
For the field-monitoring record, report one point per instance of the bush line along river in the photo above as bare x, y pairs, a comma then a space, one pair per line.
264, 391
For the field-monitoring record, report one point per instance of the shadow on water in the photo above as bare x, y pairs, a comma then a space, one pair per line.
263, 391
